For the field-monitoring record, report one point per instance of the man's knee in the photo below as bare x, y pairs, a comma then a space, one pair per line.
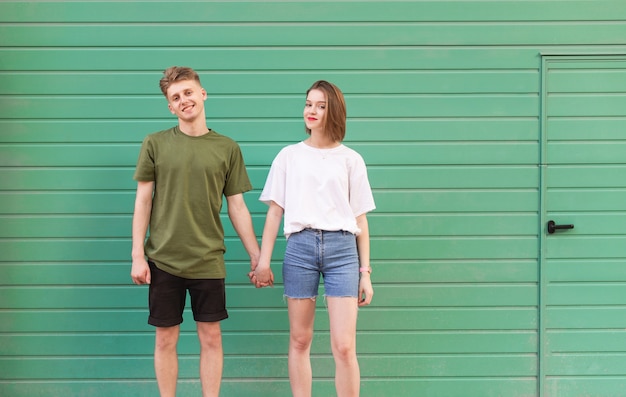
210, 334
166, 338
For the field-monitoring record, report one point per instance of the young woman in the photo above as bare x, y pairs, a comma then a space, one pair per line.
321, 188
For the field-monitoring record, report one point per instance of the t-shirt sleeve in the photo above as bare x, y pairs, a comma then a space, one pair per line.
237, 180
274, 189
145, 170
361, 197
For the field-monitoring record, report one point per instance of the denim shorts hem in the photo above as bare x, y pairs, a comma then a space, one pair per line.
285, 296
340, 296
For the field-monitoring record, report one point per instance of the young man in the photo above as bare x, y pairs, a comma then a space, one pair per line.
182, 174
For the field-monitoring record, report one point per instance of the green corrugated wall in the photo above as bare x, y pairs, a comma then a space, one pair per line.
446, 103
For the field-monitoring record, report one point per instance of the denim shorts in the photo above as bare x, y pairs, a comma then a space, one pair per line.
331, 254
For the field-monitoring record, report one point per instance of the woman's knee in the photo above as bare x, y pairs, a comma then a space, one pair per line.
301, 340
344, 349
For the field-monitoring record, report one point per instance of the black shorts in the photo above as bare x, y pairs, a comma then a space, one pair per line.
167, 296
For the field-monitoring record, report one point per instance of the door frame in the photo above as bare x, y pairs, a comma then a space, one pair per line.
546, 59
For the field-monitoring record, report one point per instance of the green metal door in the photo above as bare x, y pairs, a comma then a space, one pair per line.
583, 271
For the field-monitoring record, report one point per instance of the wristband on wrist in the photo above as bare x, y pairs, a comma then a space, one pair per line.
364, 269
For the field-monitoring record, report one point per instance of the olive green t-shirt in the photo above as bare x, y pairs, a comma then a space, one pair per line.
191, 175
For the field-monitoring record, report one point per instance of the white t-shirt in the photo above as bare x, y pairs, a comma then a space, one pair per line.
319, 188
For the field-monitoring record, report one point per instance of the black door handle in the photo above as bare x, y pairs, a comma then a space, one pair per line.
553, 227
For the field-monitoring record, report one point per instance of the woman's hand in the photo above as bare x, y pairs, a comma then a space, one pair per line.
262, 277
366, 291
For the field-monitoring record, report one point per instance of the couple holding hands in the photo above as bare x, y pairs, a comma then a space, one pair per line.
319, 186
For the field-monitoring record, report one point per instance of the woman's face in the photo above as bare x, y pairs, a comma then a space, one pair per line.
315, 110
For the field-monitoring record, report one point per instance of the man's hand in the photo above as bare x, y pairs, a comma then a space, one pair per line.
140, 272
262, 277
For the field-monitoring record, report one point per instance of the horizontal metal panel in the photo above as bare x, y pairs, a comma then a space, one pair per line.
118, 226
577, 200
575, 62
586, 317
495, 247
106, 273
448, 387
226, 82
456, 271
505, 247
272, 58
584, 270
69, 155
592, 79
292, 11
127, 367
590, 152
133, 297
126, 321
75, 179
398, 201
585, 176
270, 343
285, 131
241, 366
410, 153
287, 106
487, 224
467, 153
435, 320
264, 343
587, 365
585, 128
370, 387
432, 295
569, 385
497, 178
409, 271
94, 226
586, 341
587, 294
562, 246
456, 200
273, 325
69, 179
68, 202
108, 155
586, 105
101, 249
326, 34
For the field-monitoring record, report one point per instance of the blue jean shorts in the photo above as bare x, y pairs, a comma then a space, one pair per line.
331, 254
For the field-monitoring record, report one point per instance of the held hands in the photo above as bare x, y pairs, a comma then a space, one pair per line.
262, 277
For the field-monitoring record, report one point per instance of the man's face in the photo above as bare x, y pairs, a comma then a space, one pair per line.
185, 99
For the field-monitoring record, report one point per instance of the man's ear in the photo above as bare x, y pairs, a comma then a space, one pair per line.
204, 94
170, 108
